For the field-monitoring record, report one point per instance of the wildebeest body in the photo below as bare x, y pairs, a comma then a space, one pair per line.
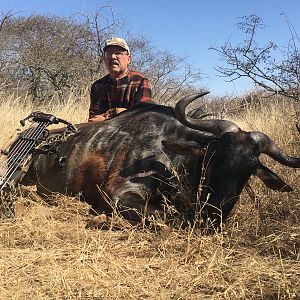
123, 157
140, 157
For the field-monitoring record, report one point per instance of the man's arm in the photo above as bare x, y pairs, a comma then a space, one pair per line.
95, 108
144, 92
107, 115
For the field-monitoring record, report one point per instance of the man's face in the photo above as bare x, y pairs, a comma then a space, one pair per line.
116, 60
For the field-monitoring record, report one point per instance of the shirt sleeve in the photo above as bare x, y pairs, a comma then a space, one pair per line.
144, 92
95, 106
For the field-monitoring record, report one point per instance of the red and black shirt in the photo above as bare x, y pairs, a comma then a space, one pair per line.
124, 92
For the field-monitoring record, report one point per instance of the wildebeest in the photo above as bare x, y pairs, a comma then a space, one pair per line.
132, 162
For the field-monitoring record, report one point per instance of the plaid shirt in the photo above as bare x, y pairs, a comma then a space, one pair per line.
125, 92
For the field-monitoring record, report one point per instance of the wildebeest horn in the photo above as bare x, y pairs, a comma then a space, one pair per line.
217, 127
267, 146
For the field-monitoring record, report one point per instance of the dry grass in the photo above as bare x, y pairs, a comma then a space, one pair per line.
46, 253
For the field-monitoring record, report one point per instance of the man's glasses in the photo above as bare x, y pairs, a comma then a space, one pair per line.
116, 53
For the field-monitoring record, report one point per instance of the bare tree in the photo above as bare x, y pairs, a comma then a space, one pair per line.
103, 24
6, 55
171, 76
260, 63
46, 54
49, 55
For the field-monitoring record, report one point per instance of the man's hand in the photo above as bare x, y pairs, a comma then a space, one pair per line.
120, 109
97, 118
107, 115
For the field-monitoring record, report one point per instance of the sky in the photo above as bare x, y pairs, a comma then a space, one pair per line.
186, 28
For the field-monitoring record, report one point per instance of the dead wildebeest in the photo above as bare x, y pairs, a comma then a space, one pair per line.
131, 159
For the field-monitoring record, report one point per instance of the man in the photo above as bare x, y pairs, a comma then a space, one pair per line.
121, 88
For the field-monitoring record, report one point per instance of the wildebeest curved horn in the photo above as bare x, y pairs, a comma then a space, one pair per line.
217, 127
267, 146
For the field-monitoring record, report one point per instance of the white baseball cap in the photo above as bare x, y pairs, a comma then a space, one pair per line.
116, 42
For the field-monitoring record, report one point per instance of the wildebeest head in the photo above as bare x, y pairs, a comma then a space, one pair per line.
228, 161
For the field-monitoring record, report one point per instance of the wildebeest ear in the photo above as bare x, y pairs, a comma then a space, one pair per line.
184, 148
271, 180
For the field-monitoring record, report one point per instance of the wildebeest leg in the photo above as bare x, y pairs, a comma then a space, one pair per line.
132, 206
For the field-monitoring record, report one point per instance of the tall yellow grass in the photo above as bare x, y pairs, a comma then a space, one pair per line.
46, 253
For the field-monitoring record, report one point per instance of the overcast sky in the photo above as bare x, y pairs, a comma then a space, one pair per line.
186, 28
